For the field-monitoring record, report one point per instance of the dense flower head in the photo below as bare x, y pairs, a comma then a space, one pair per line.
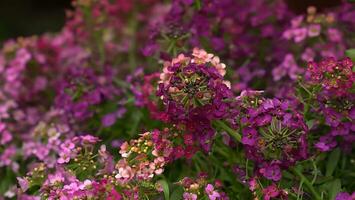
274, 134
190, 82
332, 83
194, 93
334, 76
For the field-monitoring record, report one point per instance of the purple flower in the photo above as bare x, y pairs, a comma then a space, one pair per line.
189, 196
271, 172
271, 191
326, 143
24, 184
55, 178
109, 119
212, 194
299, 34
64, 157
344, 196
334, 35
89, 139
249, 136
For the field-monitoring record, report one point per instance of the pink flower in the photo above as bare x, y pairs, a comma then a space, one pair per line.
89, 139
125, 172
221, 67
24, 184
67, 145
271, 172
308, 55
314, 30
201, 56
334, 35
64, 157
56, 178
271, 192
253, 184
5, 137
212, 194
299, 34
124, 149
297, 21
114, 195
189, 196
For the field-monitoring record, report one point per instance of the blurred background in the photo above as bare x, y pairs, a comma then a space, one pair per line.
29, 17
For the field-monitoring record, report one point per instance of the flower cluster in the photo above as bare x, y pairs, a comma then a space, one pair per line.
194, 93
83, 172
143, 158
331, 83
311, 26
200, 188
190, 82
274, 134
270, 192
123, 67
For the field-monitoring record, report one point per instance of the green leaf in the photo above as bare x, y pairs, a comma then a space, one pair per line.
334, 188
351, 54
166, 191
177, 194
198, 4
332, 163
310, 123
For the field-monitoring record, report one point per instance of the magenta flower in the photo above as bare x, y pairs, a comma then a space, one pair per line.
344, 196
24, 184
300, 34
270, 191
89, 139
64, 157
314, 30
271, 172
249, 136
212, 194
109, 119
189, 196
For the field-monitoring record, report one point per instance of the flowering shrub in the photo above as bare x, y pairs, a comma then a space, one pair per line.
134, 100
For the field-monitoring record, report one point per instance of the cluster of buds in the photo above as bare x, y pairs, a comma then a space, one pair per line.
274, 134
199, 188
142, 158
314, 17
192, 82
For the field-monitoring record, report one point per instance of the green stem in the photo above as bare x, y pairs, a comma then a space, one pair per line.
234, 134
307, 183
